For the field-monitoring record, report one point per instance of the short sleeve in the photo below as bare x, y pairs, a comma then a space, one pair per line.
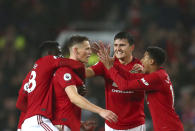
54, 61
65, 77
151, 82
21, 103
98, 68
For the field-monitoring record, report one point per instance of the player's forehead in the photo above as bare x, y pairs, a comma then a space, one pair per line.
121, 41
84, 44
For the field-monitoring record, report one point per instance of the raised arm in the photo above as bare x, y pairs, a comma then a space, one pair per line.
126, 80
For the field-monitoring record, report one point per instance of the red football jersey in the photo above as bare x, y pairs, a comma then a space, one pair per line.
66, 113
128, 105
21, 120
160, 96
21, 103
39, 99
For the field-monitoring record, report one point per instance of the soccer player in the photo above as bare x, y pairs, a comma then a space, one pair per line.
128, 105
67, 83
156, 83
33, 99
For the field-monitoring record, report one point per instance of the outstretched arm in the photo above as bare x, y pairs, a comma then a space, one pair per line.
145, 82
85, 104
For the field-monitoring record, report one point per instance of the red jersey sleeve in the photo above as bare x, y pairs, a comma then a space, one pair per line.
65, 77
57, 62
98, 68
150, 81
126, 74
21, 102
145, 82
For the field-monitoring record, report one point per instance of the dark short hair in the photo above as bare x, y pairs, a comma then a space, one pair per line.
76, 39
125, 35
48, 48
157, 53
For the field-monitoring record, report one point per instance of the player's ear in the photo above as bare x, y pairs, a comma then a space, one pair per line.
132, 47
75, 51
152, 61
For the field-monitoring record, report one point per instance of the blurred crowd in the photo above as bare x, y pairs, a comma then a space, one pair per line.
170, 24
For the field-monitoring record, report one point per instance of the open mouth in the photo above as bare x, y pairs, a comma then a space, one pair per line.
119, 52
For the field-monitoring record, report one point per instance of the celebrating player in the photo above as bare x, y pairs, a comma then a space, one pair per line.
128, 105
33, 99
156, 83
67, 84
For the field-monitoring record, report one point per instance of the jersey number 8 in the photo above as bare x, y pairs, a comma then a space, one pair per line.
31, 83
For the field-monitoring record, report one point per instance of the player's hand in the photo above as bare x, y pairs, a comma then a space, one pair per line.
104, 55
89, 125
108, 115
95, 47
137, 68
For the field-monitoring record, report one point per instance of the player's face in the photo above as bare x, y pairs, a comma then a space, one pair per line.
84, 52
122, 49
146, 61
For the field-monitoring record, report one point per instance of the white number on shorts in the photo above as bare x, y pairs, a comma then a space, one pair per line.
31, 82
171, 88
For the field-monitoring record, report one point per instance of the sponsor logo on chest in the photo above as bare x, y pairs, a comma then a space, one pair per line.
119, 91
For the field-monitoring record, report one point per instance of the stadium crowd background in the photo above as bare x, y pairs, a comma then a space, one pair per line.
170, 24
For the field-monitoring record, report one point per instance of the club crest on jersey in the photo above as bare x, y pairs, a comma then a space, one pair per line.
114, 84
67, 76
144, 81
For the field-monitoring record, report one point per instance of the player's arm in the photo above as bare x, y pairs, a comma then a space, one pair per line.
21, 103
95, 70
57, 62
145, 82
89, 72
85, 104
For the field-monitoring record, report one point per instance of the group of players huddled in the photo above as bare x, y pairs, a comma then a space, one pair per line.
52, 94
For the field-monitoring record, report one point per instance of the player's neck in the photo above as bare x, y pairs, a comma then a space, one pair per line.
154, 68
73, 57
126, 60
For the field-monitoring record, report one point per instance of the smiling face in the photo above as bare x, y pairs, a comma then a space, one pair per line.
122, 49
83, 52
